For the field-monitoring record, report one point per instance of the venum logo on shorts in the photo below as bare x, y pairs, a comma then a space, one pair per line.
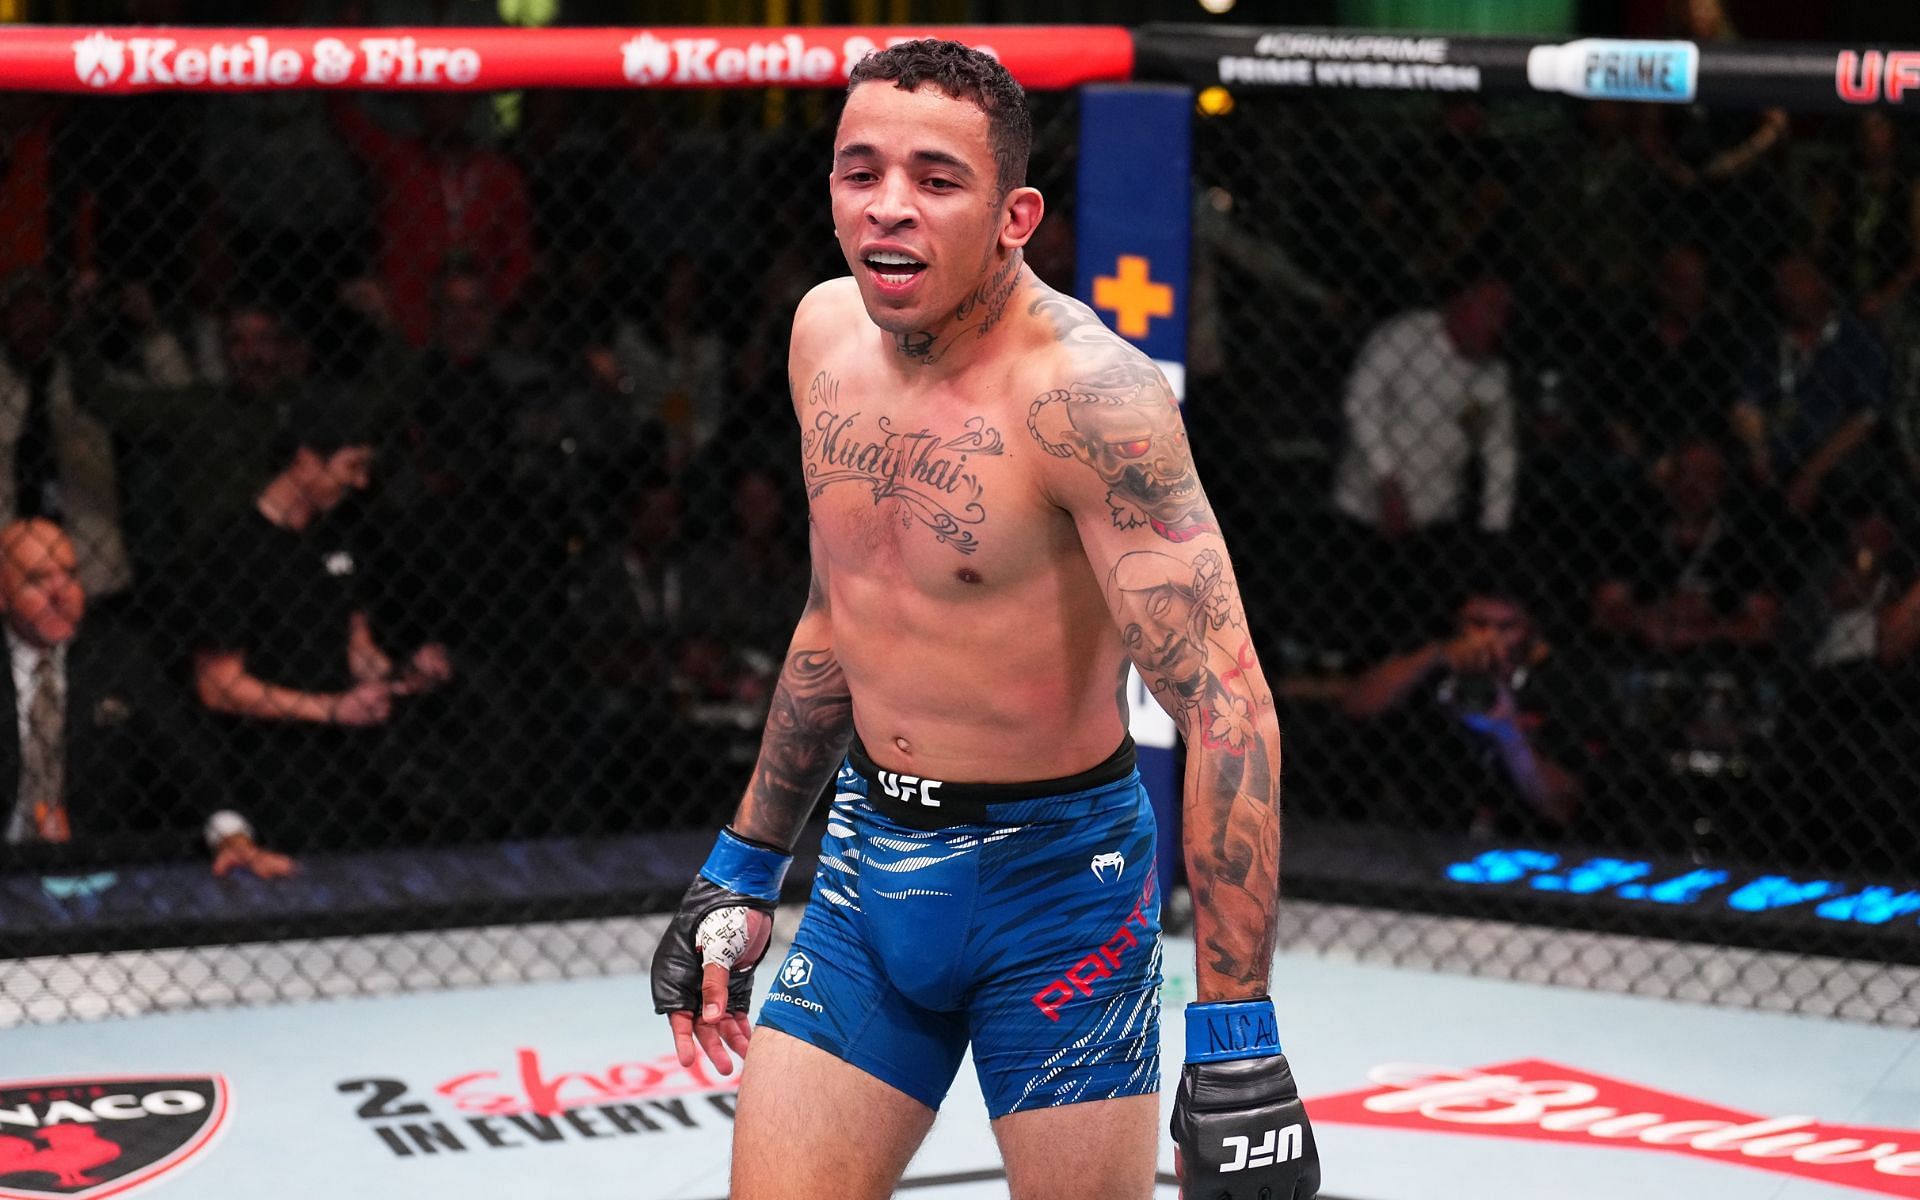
103, 1136
1109, 867
797, 971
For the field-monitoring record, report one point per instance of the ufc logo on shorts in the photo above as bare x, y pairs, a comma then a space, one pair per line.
1280, 1145
910, 788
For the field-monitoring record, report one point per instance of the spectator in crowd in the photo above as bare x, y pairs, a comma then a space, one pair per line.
1812, 395
650, 185
746, 583
628, 613
98, 753
285, 652
677, 360
1461, 183
1695, 572
1853, 627
631, 600
1222, 242
290, 195
1427, 403
1667, 371
32, 226
206, 444
1851, 611
136, 347
1866, 224
443, 201
466, 398
1616, 388
457, 535
128, 181
1488, 714
1598, 185
198, 454
1719, 167
59, 460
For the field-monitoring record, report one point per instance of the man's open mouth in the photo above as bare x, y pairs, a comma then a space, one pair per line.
892, 267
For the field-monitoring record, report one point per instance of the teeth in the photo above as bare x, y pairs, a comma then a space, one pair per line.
889, 258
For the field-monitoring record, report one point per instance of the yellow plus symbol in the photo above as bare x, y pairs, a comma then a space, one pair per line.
1132, 296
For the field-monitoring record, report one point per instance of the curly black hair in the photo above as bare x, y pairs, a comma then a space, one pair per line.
965, 74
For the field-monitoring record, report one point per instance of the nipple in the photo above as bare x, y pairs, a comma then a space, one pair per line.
967, 575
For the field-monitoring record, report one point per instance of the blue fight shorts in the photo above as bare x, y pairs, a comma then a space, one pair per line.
1023, 918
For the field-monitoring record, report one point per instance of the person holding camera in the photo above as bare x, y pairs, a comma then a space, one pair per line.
1483, 716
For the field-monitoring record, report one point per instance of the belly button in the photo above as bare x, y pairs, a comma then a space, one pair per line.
905, 748
967, 575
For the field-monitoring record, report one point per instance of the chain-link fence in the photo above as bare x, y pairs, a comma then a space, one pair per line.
425, 468
1569, 446
429, 477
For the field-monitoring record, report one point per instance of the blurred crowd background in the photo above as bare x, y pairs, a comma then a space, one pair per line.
416, 470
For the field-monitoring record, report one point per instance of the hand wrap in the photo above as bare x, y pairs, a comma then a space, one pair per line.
713, 926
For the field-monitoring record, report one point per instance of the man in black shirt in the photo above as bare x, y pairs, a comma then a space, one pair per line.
286, 652
1697, 571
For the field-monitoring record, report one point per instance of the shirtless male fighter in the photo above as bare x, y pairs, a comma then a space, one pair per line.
1005, 515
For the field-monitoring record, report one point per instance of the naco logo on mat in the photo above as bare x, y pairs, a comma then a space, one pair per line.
93, 1137
1543, 1101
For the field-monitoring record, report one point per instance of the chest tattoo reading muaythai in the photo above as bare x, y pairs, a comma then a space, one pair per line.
927, 472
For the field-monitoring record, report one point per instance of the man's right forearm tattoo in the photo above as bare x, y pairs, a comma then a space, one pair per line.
808, 727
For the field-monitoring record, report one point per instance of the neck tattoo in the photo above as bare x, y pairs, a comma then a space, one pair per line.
981, 310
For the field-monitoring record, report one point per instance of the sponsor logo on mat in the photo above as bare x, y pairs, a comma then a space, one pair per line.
94, 1137
1546, 1102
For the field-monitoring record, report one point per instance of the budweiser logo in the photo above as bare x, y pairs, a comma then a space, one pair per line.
1542, 1101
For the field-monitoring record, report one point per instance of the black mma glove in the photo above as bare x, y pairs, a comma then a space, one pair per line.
1238, 1122
713, 925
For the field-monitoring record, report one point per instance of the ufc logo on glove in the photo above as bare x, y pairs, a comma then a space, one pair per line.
1280, 1145
1239, 1129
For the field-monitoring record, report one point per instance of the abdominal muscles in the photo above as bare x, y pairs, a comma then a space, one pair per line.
1005, 685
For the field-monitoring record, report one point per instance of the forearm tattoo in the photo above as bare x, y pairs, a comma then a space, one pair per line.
808, 728
1184, 624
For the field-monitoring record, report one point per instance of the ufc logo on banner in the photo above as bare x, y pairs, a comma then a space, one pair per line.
910, 788
1280, 1145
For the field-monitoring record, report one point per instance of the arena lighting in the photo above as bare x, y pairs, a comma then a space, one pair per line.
1217, 7
1214, 101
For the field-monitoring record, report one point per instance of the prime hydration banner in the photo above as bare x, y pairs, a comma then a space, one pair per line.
1735, 75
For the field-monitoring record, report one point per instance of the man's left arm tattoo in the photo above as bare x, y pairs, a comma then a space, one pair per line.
1147, 522
1184, 625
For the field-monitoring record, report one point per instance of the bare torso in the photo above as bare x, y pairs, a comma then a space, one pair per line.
969, 623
